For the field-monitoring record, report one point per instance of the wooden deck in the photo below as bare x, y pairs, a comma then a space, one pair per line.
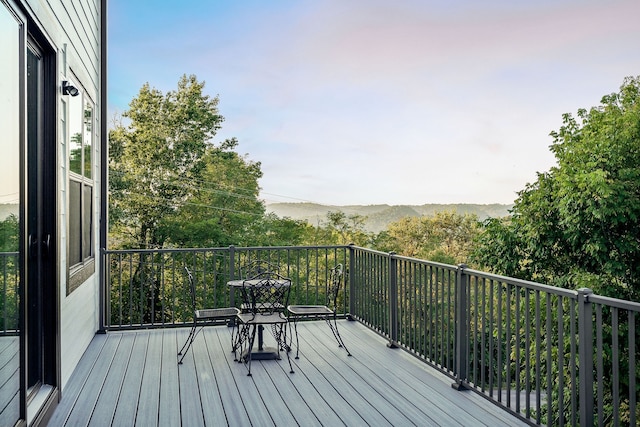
132, 378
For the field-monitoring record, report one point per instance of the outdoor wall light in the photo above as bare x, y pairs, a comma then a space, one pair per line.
69, 89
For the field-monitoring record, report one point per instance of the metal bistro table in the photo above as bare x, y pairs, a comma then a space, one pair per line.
262, 352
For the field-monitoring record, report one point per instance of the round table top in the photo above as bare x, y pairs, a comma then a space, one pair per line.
238, 283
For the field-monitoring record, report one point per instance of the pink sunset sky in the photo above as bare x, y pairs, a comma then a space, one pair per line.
371, 101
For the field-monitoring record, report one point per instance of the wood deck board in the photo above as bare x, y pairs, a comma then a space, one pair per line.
132, 378
366, 395
411, 397
234, 412
107, 401
149, 399
127, 408
296, 405
421, 383
190, 406
9, 378
87, 400
74, 388
353, 393
169, 409
207, 382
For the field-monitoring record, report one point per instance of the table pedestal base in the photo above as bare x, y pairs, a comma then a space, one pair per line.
262, 352
267, 353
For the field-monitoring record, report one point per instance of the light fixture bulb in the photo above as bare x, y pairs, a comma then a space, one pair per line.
69, 89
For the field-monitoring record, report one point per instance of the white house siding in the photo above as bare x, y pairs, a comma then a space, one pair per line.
73, 27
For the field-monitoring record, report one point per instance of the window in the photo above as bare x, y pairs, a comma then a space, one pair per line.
81, 124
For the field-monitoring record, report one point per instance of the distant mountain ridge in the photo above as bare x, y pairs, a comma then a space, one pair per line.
379, 216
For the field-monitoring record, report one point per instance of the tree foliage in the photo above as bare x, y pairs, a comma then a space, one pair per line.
152, 158
444, 237
223, 201
9, 234
170, 186
578, 225
340, 229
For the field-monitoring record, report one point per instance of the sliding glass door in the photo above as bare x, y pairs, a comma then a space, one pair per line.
11, 207
28, 276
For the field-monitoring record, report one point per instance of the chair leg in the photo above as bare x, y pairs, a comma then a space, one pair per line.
295, 328
279, 332
336, 333
242, 336
283, 333
185, 347
250, 348
235, 331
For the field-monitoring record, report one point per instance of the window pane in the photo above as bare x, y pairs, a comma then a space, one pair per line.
88, 138
87, 222
75, 226
75, 133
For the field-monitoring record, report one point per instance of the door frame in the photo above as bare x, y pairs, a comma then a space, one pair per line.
39, 406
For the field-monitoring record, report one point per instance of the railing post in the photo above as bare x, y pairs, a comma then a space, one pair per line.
585, 356
103, 292
462, 332
393, 301
232, 273
352, 282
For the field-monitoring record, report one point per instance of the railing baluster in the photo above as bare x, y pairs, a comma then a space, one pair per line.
560, 362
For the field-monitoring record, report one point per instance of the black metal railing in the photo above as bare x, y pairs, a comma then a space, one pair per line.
549, 356
9, 296
147, 288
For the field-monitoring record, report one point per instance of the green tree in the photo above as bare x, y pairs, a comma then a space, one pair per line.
444, 237
578, 224
152, 158
223, 201
340, 229
9, 234
271, 230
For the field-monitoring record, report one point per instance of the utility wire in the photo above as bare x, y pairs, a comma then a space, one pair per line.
189, 184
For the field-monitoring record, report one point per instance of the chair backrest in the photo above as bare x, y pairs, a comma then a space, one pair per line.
336, 279
257, 266
265, 294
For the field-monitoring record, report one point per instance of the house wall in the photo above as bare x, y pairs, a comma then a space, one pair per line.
73, 28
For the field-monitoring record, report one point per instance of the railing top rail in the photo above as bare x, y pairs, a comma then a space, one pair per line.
569, 293
371, 251
425, 262
614, 302
275, 248
163, 250
406, 258
224, 248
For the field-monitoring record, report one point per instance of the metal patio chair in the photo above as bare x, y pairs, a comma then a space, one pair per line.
257, 269
257, 266
326, 312
264, 297
204, 316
